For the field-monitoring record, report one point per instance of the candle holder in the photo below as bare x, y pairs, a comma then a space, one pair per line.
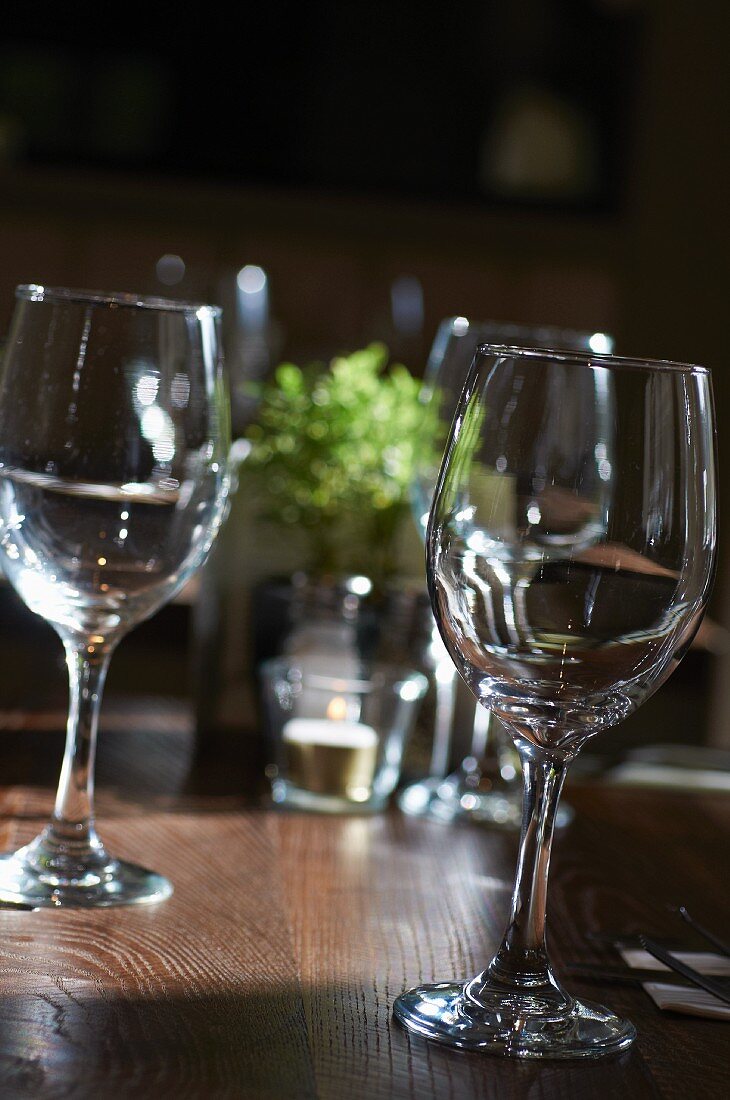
336, 742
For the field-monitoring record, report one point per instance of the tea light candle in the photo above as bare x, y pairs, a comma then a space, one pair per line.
330, 757
322, 731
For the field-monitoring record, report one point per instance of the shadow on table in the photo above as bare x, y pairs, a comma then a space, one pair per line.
59, 1041
327, 1044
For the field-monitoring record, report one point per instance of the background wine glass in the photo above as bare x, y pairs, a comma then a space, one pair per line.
615, 559
114, 429
485, 786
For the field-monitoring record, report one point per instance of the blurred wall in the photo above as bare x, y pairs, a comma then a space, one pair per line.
331, 260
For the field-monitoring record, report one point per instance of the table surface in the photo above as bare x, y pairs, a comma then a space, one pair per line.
272, 970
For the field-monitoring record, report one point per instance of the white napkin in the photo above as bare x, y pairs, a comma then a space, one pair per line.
691, 1000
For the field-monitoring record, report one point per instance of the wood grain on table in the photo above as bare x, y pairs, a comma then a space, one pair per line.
272, 970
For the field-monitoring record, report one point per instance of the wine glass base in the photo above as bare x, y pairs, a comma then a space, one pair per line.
452, 800
443, 1014
115, 883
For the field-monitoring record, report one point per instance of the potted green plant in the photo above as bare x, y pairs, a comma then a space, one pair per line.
333, 454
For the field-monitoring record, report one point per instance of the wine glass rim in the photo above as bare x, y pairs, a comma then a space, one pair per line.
592, 358
36, 292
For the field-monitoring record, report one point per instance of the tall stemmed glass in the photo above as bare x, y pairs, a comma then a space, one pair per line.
614, 558
114, 430
485, 785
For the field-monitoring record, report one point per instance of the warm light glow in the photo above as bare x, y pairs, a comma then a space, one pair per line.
360, 586
410, 690
465, 514
337, 709
359, 794
159, 430
601, 343
251, 279
101, 561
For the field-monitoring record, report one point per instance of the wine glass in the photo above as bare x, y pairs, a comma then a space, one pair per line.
613, 560
114, 429
485, 786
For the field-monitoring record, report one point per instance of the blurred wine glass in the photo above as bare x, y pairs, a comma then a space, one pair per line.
567, 585
485, 785
114, 428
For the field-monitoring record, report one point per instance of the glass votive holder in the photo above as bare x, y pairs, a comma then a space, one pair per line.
336, 742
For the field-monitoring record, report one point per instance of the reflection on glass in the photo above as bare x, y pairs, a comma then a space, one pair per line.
485, 786
113, 479
562, 618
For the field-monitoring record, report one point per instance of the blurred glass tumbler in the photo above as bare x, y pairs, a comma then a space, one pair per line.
336, 742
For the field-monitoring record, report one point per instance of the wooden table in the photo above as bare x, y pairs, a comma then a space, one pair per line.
272, 970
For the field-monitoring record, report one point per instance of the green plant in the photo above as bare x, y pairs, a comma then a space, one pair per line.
333, 453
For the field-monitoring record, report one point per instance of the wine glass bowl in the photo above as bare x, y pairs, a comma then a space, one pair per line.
113, 480
570, 553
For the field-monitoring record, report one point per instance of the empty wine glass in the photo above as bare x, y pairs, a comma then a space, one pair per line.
485, 785
114, 428
567, 586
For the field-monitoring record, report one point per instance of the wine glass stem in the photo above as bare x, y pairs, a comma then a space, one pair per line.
73, 814
522, 959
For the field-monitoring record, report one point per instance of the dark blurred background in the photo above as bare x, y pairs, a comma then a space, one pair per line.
552, 161
375, 98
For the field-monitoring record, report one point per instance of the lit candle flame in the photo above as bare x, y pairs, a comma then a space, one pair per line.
337, 709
